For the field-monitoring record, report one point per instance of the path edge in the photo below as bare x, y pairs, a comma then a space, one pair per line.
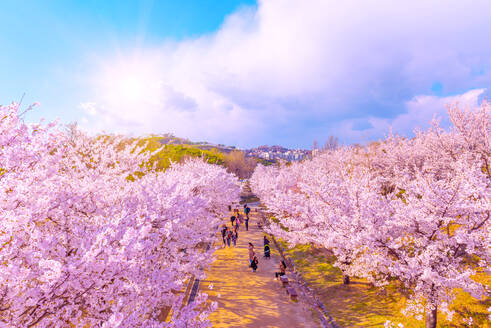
326, 320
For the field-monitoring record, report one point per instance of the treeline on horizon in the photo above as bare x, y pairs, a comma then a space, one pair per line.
171, 149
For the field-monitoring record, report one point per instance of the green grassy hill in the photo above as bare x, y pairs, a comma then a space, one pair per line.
176, 151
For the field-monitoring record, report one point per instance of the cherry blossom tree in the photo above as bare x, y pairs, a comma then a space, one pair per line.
85, 243
437, 231
317, 201
416, 210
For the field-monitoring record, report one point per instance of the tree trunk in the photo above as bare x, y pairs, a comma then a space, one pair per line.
346, 280
430, 320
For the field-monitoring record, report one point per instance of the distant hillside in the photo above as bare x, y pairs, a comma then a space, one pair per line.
174, 150
177, 149
240, 162
170, 139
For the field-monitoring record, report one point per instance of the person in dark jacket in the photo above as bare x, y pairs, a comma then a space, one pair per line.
254, 263
224, 231
267, 252
229, 236
247, 210
235, 236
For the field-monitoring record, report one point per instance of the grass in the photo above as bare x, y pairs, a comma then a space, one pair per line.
363, 305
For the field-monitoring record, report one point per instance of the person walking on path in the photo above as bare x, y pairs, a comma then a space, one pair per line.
238, 221
232, 219
254, 263
224, 231
246, 220
251, 253
235, 236
247, 210
229, 236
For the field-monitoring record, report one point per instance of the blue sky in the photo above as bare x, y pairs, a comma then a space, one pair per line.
46, 47
245, 73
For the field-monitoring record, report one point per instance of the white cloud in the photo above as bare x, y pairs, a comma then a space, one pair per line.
292, 71
420, 111
89, 108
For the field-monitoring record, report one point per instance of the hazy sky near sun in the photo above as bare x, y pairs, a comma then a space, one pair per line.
245, 73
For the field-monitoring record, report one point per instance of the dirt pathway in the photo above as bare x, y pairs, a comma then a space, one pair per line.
251, 299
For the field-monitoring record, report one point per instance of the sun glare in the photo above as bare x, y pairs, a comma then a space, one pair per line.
129, 82
131, 88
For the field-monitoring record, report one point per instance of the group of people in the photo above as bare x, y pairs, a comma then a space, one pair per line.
237, 217
231, 235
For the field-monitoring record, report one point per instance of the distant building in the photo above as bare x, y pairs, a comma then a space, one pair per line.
277, 153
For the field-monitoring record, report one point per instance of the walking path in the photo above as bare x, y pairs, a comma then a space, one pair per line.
251, 299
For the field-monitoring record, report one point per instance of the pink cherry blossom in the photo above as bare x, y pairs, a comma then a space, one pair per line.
81, 244
416, 210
